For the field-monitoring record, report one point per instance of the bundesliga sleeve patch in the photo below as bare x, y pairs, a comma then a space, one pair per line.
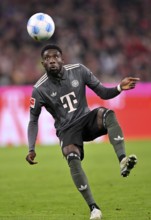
32, 102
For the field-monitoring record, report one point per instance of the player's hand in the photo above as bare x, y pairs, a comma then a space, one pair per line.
128, 83
30, 158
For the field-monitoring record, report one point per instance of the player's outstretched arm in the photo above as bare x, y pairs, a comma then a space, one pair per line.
30, 158
128, 83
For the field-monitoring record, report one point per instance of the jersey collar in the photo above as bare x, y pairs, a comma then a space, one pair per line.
61, 76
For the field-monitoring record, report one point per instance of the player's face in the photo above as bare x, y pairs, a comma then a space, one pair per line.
52, 61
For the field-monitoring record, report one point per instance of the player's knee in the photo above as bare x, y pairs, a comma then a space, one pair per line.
109, 118
70, 148
102, 116
72, 156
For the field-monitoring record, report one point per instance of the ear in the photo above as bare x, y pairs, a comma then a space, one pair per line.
42, 63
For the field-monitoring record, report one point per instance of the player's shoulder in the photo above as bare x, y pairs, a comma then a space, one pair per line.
41, 81
72, 66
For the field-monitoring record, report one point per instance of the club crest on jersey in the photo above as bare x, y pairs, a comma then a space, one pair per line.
75, 83
32, 102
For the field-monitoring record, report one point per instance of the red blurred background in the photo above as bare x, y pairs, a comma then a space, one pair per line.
133, 110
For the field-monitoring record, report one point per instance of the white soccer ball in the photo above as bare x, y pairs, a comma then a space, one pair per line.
40, 26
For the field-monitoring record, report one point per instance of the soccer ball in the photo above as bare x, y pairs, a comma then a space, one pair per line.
40, 26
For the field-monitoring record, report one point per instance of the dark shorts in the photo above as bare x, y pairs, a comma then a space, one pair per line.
84, 130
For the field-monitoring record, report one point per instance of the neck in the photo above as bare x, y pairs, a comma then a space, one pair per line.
55, 75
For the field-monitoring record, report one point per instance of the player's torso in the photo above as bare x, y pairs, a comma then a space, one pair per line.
65, 98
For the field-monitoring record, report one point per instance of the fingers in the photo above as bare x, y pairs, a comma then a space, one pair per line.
30, 160
132, 86
132, 82
134, 79
129, 83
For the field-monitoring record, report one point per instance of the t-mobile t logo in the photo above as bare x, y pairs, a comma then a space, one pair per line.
68, 101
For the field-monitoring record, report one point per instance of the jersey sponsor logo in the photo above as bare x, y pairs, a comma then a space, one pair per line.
71, 66
32, 102
68, 101
75, 83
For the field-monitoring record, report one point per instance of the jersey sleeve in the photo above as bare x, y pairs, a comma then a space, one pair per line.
35, 110
93, 83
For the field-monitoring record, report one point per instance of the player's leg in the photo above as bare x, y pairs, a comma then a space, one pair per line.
106, 118
73, 156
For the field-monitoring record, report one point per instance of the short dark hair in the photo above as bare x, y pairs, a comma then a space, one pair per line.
50, 46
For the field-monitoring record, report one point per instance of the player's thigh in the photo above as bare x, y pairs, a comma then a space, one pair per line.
71, 140
95, 126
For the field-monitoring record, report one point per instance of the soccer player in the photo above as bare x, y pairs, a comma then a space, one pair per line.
61, 90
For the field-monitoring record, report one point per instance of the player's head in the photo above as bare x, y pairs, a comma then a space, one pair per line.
52, 59
50, 46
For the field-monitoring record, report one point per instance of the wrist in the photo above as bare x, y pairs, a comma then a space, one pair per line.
119, 88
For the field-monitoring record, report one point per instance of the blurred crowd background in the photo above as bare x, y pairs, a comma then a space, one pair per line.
111, 37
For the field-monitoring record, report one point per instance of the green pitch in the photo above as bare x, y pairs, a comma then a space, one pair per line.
46, 192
